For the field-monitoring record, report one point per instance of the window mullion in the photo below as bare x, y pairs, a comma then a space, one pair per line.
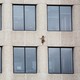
1, 59
60, 62
24, 16
59, 19
24, 60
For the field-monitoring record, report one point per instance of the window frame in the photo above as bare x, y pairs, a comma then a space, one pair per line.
24, 16
1, 17
59, 19
25, 60
60, 60
1, 59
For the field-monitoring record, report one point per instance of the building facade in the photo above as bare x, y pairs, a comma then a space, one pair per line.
42, 39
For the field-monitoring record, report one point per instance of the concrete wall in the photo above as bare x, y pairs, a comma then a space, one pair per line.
10, 38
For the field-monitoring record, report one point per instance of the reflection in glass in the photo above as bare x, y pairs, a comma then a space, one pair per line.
59, 18
0, 17
0, 60
25, 60
66, 60
53, 17
54, 60
18, 59
18, 17
24, 17
61, 60
65, 18
31, 60
30, 17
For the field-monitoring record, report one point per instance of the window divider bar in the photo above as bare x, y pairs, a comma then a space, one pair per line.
73, 60
60, 62
59, 19
1, 59
24, 15
35, 17
71, 18
24, 60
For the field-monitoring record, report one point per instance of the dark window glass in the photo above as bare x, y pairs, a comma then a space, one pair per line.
24, 17
18, 18
66, 60
59, 18
53, 18
0, 17
29, 17
25, 60
18, 59
54, 66
65, 18
0, 60
31, 60
60, 60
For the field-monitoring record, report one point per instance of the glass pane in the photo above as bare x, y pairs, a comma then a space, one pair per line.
54, 60
0, 17
18, 59
66, 60
30, 17
18, 17
53, 18
65, 18
0, 60
30, 60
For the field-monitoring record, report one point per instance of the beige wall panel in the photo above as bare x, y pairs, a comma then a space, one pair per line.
10, 38
77, 77
61, 77
69, 2
52, 2
68, 77
7, 63
42, 57
1, 1
77, 60
67, 39
54, 38
18, 38
1, 38
31, 39
7, 38
42, 18
77, 38
75, 17
19, 77
27, 1
17, 1
25, 38
31, 1
54, 77
31, 76
42, 76
7, 16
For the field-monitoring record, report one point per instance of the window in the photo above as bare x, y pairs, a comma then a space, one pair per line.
59, 18
60, 60
0, 17
24, 17
0, 60
25, 60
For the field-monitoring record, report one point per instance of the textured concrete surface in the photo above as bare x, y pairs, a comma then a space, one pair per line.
10, 38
